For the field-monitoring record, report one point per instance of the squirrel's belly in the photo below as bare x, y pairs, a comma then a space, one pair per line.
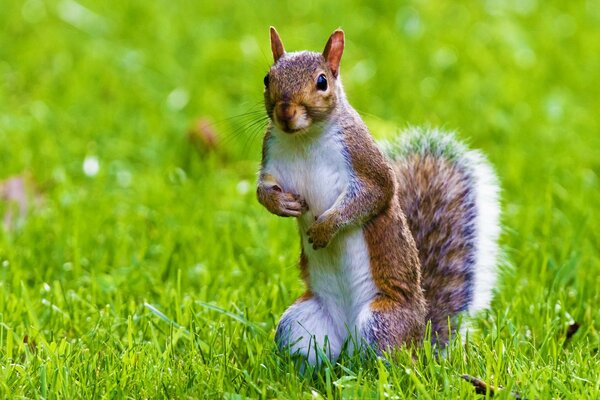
319, 185
340, 275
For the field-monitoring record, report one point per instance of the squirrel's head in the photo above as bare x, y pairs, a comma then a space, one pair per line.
301, 88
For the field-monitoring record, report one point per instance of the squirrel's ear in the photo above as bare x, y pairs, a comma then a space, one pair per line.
276, 45
333, 51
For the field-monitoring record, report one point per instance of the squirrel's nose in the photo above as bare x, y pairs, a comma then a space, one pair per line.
285, 112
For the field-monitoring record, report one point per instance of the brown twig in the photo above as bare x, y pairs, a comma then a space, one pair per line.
482, 387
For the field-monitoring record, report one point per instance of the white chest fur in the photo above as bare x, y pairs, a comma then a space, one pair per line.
318, 169
314, 167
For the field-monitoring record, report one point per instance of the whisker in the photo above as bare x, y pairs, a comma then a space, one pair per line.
253, 132
251, 125
367, 114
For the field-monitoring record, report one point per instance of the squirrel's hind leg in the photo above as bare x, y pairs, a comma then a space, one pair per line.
307, 329
386, 324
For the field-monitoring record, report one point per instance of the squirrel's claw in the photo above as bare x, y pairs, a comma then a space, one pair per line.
320, 233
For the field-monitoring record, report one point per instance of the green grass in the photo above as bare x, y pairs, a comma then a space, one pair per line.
161, 276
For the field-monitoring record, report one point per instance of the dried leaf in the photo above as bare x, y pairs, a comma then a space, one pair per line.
202, 136
31, 343
20, 195
12, 191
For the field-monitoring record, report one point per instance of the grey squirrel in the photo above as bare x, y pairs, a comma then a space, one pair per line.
391, 237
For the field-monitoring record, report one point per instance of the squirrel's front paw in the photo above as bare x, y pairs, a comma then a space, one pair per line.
321, 232
282, 203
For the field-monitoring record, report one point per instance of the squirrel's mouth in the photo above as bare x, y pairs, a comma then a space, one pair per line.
291, 117
291, 131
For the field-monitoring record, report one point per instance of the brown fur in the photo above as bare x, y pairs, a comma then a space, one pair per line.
303, 264
400, 307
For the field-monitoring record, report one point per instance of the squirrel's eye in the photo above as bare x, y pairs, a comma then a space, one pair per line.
266, 80
322, 82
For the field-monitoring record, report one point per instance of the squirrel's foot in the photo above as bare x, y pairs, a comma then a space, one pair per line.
385, 324
306, 330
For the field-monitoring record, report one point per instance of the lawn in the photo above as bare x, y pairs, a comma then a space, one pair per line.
144, 267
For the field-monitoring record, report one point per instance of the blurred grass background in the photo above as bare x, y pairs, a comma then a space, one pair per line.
146, 268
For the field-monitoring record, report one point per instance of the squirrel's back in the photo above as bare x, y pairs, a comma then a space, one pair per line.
450, 197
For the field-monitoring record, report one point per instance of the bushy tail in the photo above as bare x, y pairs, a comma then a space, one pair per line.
450, 197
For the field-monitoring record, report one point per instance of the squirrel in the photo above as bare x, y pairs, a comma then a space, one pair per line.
392, 235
